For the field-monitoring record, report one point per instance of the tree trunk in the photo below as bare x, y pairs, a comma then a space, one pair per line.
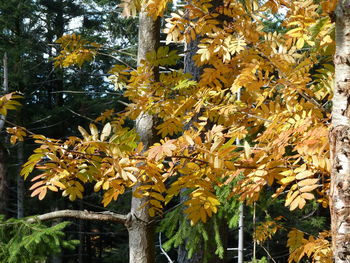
141, 230
5, 87
340, 139
3, 181
20, 182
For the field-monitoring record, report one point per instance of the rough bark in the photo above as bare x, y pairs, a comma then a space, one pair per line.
141, 230
189, 64
141, 233
340, 138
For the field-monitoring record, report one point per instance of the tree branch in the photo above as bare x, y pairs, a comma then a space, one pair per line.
84, 215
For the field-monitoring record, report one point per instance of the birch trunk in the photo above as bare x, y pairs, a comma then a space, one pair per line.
141, 230
340, 138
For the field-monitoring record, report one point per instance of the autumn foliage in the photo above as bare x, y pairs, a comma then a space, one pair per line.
284, 80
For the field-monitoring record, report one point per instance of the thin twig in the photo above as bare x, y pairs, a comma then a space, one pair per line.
267, 252
163, 251
257, 117
85, 92
78, 114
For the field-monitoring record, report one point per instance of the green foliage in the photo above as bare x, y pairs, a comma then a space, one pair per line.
163, 57
179, 231
25, 242
184, 84
229, 205
262, 260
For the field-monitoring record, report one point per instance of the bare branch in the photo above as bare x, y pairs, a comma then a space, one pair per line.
77, 214
162, 249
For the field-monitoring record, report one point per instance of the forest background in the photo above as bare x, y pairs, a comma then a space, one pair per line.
244, 117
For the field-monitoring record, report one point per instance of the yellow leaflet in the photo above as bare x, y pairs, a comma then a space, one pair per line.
307, 182
304, 174
287, 179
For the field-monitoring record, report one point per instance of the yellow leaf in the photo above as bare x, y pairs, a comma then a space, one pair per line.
36, 191
295, 203
295, 32
97, 186
156, 203
157, 196
188, 139
295, 239
300, 43
42, 193
308, 188
105, 185
193, 166
304, 174
94, 131
106, 131
213, 201
307, 196
131, 177
300, 169
302, 202
72, 196
288, 179
290, 198
217, 162
53, 188
203, 215
247, 150
307, 182
83, 132
151, 212
36, 185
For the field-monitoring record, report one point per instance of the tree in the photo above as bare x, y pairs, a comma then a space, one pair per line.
140, 226
281, 118
339, 140
3, 179
46, 111
141, 231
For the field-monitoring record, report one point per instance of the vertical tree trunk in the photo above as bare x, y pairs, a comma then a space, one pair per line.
240, 234
3, 181
3, 184
141, 230
340, 138
20, 181
5, 87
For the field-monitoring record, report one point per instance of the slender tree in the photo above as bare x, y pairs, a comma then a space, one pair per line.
3, 181
140, 226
